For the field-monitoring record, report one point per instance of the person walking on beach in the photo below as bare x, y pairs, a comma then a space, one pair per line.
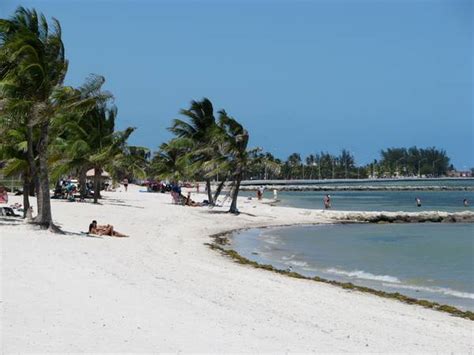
327, 202
125, 184
418, 202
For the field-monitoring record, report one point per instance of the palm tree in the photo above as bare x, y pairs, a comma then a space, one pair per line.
86, 138
239, 157
33, 69
73, 142
13, 152
294, 163
311, 162
201, 129
105, 143
172, 161
133, 162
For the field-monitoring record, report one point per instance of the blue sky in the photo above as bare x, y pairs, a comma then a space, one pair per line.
302, 76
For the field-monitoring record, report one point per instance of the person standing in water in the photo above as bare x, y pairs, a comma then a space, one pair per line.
327, 202
465, 202
418, 202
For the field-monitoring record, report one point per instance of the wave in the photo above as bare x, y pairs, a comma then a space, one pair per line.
364, 275
297, 263
442, 290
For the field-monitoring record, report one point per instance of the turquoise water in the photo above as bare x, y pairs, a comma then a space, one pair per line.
379, 200
426, 261
383, 200
451, 182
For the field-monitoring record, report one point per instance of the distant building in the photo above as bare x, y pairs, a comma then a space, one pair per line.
455, 173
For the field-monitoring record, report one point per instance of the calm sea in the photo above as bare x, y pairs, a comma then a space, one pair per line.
383, 200
427, 260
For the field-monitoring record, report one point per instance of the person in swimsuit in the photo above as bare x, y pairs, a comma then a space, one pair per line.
327, 201
418, 202
107, 229
125, 184
3, 195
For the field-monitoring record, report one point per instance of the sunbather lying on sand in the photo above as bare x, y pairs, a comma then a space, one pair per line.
107, 229
189, 202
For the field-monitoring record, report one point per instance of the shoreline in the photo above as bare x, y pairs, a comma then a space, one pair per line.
222, 239
303, 188
74, 293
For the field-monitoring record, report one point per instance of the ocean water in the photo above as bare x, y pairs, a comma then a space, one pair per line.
379, 200
427, 261
382, 200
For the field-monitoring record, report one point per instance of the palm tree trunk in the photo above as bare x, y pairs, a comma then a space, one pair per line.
33, 187
44, 217
235, 194
219, 188
97, 174
209, 192
82, 182
26, 193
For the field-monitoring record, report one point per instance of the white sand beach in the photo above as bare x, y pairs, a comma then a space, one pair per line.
164, 290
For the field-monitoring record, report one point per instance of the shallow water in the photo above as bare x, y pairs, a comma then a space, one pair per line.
426, 261
380, 200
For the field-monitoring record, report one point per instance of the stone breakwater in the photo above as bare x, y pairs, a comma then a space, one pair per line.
401, 217
356, 188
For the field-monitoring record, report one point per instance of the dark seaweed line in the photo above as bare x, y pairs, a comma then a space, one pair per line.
222, 239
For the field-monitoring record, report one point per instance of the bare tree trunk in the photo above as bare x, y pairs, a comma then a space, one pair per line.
26, 193
44, 217
97, 174
235, 194
209, 192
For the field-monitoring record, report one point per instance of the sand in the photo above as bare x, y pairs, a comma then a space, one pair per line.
163, 290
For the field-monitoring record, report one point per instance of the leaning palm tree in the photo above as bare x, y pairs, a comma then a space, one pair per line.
200, 128
33, 68
239, 157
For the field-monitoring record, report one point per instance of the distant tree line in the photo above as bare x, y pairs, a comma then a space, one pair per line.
393, 162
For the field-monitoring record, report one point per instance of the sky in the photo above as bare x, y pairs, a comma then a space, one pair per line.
302, 76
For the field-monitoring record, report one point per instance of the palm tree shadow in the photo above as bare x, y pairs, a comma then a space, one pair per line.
228, 212
83, 235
